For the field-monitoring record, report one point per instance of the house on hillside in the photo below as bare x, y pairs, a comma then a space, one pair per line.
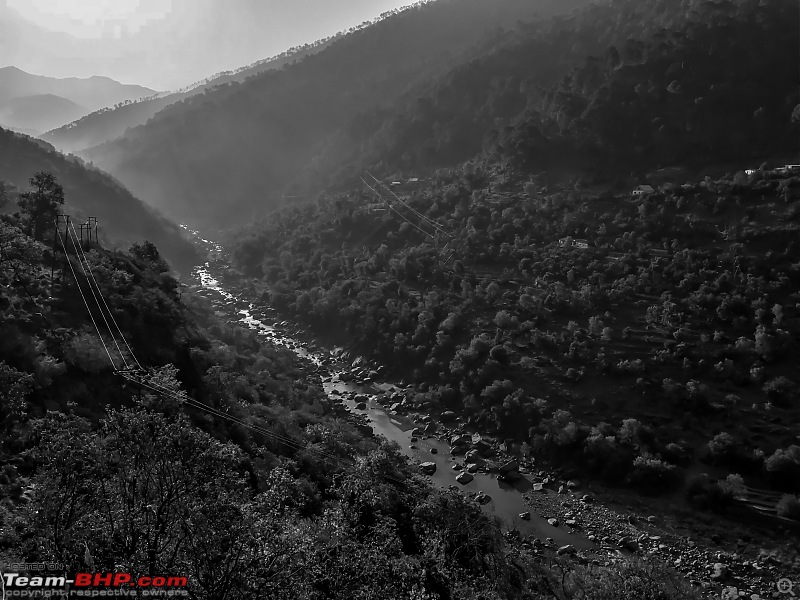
643, 190
569, 242
413, 180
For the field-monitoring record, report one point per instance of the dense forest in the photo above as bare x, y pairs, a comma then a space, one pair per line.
223, 461
123, 218
611, 89
629, 336
246, 142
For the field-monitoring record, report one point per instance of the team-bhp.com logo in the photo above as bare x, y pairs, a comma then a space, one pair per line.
27, 585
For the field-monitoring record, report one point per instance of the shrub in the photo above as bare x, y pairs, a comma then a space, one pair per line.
789, 507
783, 467
704, 494
652, 474
778, 389
643, 579
722, 448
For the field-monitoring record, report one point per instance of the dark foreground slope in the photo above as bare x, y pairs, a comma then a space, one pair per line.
123, 218
250, 486
218, 158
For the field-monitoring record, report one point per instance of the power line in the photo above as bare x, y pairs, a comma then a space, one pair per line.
398, 213
133, 376
71, 232
425, 218
85, 303
110, 314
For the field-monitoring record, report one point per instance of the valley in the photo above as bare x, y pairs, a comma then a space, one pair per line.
473, 300
542, 511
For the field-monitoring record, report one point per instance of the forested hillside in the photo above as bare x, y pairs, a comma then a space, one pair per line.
111, 122
123, 218
632, 337
659, 84
216, 158
612, 89
249, 485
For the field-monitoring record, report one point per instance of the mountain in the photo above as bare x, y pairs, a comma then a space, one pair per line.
627, 87
245, 142
123, 219
39, 112
109, 123
42, 103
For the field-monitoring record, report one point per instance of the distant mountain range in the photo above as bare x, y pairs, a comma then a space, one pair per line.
123, 219
34, 103
110, 123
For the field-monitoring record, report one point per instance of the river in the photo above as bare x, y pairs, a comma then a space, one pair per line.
507, 501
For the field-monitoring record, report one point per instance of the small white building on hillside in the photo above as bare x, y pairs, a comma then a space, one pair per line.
642, 190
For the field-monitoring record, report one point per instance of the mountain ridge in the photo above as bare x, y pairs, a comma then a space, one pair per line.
87, 94
123, 218
282, 117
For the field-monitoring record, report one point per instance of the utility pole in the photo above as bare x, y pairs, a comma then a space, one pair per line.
92, 222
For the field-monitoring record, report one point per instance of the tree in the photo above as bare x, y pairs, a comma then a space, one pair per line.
148, 253
40, 206
6, 192
14, 388
789, 507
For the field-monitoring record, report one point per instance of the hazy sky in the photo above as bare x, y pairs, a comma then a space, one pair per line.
165, 44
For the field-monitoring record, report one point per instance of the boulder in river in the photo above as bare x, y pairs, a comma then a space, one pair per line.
448, 415
568, 549
459, 440
427, 468
509, 477
464, 478
365, 429
525, 516
553, 522
628, 543
509, 466
720, 572
485, 448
